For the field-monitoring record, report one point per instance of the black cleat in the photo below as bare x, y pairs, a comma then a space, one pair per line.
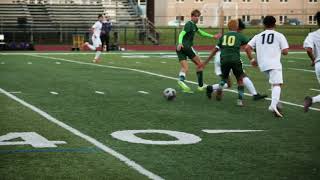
209, 91
259, 96
307, 103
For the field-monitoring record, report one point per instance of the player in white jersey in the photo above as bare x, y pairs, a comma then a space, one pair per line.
312, 45
269, 46
246, 80
96, 41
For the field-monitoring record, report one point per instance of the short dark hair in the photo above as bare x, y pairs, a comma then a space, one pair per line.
269, 21
241, 25
195, 12
317, 17
100, 15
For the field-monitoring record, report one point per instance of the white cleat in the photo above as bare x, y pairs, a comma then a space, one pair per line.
276, 111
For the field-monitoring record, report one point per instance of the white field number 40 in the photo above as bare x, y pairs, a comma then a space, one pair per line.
36, 140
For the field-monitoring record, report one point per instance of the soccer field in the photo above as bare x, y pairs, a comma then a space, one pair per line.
64, 117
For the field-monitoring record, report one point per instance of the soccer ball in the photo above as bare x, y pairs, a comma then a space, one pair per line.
169, 94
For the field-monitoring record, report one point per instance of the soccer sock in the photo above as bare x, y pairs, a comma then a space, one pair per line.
316, 99
200, 78
98, 53
249, 85
92, 48
182, 76
216, 86
240, 92
276, 91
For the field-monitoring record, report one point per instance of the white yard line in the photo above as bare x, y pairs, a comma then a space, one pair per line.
155, 74
99, 92
58, 62
54, 93
143, 92
29, 62
305, 70
315, 90
93, 141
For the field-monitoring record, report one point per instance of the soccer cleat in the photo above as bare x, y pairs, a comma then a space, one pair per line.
259, 96
276, 111
219, 94
184, 87
209, 91
240, 102
307, 103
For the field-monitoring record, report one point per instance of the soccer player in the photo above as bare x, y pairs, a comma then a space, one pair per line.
96, 41
312, 46
269, 46
185, 49
229, 45
246, 80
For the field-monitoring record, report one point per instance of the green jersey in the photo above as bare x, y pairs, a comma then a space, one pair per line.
190, 28
230, 44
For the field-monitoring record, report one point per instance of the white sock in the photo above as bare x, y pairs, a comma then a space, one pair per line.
249, 85
92, 48
316, 99
216, 86
182, 76
98, 53
276, 91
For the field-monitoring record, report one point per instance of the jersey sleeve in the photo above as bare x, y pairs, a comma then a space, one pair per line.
283, 42
308, 42
253, 42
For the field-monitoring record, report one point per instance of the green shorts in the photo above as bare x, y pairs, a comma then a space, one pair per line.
186, 52
235, 66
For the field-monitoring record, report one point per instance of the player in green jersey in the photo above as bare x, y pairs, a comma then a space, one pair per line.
229, 45
185, 49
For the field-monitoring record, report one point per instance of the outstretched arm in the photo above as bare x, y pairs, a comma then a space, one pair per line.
213, 53
205, 34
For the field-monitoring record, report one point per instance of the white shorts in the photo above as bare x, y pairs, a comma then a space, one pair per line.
275, 76
317, 69
217, 64
96, 41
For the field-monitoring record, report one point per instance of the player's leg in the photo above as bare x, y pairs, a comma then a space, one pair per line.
239, 74
276, 80
308, 101
225, 69
249, 85
98, 44
217, 70
183, 71
91, 47
192, 54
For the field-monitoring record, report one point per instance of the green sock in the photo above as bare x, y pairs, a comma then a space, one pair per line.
240, 92
200, 78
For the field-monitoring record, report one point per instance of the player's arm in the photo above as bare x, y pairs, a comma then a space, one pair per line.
205, 34
308, 44
249, 50
284, 45
181, 35
311, 55
213, 53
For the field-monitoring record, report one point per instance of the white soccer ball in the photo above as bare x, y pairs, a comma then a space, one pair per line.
169, 94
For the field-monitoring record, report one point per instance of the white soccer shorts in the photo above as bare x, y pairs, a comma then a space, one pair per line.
96, 41
275, 76
217, 64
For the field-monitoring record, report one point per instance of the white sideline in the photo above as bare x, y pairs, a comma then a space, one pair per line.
93, 141
158, 75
